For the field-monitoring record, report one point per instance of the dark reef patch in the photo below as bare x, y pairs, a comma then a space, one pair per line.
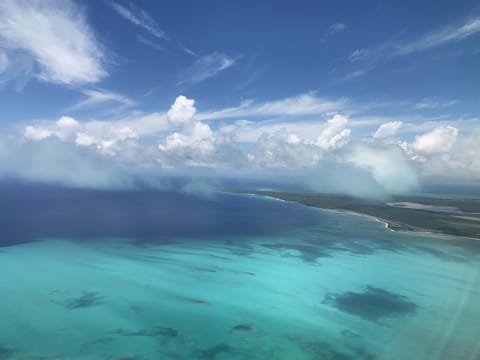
88, 299
249, 273
105, 340
6, 353
212, 352
136, 308
156, 331
372, 304
322, 350
244, 327
196, 301
441, 254
203, 269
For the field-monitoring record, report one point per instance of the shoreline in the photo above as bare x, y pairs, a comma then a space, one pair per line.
387, 223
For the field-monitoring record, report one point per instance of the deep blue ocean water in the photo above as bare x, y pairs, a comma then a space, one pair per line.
145, 274
32, 212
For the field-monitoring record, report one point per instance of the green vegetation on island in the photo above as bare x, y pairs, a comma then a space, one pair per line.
451, 216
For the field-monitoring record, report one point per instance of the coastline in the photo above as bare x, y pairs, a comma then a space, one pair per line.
388, 224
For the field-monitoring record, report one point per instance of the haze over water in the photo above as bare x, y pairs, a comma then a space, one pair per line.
227, 277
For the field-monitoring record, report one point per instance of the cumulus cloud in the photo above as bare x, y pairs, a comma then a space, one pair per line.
56, 35
438, 141
195, 144
3, 61
62, 128
321, 153
388, 165
182, 110
282, 149
36, 133
444, 153
104, 138
54, 161
335, 135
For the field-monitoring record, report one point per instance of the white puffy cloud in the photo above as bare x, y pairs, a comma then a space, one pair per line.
282, 149
182, 110
387, 130
111, 142
36, 133
321, 152
83, 139
3, 61
105, 138
63, 128
388, 164
54, 161
56, 35
66, 126
443, 153
195, 143
335, 135
294, 145
438, 141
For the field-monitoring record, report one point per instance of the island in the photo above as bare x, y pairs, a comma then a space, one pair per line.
450, 216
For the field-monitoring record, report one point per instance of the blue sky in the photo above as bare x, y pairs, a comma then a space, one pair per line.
276, 50
320, 72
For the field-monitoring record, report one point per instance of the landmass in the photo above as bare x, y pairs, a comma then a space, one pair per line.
451, 216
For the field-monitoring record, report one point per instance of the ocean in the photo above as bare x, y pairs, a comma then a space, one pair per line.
133, 275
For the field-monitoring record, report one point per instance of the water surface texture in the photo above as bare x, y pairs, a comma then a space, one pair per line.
168, 276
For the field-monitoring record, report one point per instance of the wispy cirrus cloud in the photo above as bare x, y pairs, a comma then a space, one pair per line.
392, 49
140, 18
303, 104
94, 97
151, 44
333, 29
434, 103
443, 36
56, 36
145, 21
206, 67
187, 50
354, 74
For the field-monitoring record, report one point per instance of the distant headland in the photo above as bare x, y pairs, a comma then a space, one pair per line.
450, 216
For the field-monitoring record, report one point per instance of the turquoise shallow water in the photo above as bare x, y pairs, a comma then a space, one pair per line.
346, 288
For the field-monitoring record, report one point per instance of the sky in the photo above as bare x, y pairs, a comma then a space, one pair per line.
381, 90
